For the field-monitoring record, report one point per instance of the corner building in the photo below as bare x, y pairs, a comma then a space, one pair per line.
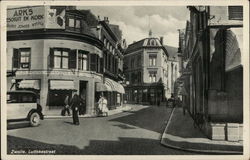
53, 56
147, 69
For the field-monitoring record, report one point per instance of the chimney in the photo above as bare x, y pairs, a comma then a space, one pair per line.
161, 40
106, 19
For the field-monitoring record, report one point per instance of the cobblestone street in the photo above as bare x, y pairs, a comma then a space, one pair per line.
136, 132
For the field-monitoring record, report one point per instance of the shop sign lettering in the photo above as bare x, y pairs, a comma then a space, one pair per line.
25, 18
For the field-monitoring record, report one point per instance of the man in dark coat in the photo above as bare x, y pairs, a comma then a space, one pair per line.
75, 102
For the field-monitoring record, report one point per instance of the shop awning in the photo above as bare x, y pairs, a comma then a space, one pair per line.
61, 85
115, 87
120, 88
34, 84
234, 48
100, 87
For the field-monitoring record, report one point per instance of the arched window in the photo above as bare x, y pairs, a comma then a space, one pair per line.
152, 42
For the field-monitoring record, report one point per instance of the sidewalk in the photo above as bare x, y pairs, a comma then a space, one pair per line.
181, 134
56, 113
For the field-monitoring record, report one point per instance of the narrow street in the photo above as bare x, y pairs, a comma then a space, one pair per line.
136, 132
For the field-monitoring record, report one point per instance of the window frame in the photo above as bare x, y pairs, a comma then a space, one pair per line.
16, 61
81, 59
75, 19
152, 60
61, 56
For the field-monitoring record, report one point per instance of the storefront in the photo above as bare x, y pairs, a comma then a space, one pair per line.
152, 94
113, 92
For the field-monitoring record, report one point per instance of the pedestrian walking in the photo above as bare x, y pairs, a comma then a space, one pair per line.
178, 102
75, 103
102, 105
66, 106
171, 101
82, 107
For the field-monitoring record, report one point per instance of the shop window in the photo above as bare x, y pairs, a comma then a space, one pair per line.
62, 58
144, 95
235, 12
57, 97
21, 58
83, 60
152, 60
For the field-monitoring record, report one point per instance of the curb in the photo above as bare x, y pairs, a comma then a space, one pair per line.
164, 135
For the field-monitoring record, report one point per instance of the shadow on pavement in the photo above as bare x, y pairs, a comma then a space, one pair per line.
69, 122
152, 118
17, 125
124, 146
124, 126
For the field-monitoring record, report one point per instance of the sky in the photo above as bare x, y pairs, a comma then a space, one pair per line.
135, 21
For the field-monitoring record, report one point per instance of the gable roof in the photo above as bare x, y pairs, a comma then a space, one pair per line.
172, 52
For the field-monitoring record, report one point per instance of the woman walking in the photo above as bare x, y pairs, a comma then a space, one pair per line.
102, 105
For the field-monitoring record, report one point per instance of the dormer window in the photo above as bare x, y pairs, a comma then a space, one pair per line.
152, 42
73, 23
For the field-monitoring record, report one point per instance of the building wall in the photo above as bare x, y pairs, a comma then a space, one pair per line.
161, 65
39, 68
221, 16
37, 51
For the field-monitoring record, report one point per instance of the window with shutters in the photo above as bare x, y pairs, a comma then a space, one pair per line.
62, 58
82, 60
235, 12
101, 65
21, 58
93, 62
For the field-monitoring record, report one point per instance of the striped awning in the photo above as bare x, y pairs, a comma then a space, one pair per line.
61, 85
115, 87
100, 87
33, 84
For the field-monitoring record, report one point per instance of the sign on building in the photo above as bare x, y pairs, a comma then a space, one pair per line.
35, 17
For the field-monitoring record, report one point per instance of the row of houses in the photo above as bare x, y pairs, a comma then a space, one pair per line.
55, 50
211, 81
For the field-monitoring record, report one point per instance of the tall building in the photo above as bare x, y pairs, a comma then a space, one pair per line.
54, 50
148, 68
212, 71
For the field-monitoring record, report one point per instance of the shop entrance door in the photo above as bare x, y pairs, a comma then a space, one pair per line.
83, 96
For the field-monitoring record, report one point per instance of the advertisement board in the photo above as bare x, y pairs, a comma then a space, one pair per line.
35, 17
